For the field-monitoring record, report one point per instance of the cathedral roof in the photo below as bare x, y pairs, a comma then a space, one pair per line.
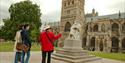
111, 16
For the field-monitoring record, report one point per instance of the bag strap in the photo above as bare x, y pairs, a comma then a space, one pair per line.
49, 38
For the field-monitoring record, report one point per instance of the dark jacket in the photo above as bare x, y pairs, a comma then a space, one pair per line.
26, 38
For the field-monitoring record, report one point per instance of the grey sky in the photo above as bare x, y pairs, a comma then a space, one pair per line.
105, 7
51, 9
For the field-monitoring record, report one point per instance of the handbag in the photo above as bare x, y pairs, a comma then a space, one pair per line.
19, 46
25, 48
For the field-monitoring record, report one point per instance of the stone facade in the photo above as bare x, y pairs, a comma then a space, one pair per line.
106, 34
102, 33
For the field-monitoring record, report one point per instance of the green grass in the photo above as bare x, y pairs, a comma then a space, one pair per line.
116, 56
8, 47
35, 47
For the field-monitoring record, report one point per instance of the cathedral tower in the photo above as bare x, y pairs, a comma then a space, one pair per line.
72, 10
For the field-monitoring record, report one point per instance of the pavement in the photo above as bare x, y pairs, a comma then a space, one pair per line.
8, 57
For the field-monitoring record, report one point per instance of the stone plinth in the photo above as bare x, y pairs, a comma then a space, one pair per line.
72, 52
72, 44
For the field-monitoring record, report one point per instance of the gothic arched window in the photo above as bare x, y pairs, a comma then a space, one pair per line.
123, 43
68, 2
92, 44
67, 27
115, 27
103, 28
123, 26
86, 28
68, 11
95, 28
72, 1
65, 4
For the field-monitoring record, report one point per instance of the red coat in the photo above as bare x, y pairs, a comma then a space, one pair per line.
46, 45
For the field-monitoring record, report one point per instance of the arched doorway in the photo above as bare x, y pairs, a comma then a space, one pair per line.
115, 44
67, 27
84, 43
92, 44
123, 44
101, 45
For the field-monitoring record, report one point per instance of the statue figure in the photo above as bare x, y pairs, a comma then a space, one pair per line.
75, 31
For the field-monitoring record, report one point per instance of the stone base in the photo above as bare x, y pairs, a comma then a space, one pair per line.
72, 52
75, 56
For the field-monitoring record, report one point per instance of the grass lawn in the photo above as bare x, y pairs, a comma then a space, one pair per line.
8, 47
116, 56
35, 47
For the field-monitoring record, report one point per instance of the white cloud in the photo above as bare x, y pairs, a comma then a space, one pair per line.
105, 7
50, 17
48, 6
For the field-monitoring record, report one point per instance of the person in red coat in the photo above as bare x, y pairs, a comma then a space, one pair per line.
47, 38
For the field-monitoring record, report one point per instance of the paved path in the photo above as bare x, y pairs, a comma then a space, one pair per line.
8, 57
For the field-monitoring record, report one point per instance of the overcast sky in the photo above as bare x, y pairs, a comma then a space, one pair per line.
51, 9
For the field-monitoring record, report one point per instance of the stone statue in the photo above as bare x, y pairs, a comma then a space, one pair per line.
75, 31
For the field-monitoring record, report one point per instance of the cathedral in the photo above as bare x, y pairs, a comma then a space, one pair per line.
105, 33
100, 33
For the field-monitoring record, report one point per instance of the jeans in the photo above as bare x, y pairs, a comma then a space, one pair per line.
27, 58
44, 57
17, 57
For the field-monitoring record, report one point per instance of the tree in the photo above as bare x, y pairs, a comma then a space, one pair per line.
7, 31
34, 34
25, 12
21, 13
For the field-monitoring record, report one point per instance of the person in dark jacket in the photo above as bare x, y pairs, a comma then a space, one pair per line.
27, 42
47, 37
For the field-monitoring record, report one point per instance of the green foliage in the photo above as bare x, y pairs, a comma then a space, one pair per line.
35, 35
8, 31
21, 13
25, 11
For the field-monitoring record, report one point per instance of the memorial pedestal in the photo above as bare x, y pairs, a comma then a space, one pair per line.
72, 52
